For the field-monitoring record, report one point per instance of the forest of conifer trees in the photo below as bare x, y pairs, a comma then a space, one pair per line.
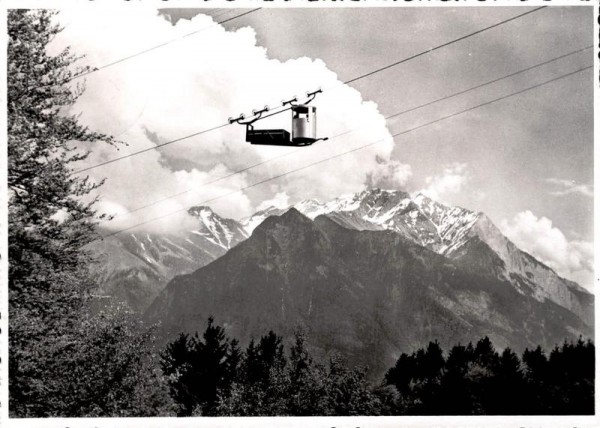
211, 375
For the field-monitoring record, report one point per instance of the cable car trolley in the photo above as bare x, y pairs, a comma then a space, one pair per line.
304, 125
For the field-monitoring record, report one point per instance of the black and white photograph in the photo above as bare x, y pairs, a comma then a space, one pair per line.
233, 211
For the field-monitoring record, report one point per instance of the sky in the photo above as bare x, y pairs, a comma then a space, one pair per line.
526, 161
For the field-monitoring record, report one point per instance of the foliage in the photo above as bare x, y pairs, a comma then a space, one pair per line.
470, 380
263, 380
107, 368
566, 380
479, 381
198, 368
64, 360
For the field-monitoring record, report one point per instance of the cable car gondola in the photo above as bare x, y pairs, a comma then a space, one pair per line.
304, 125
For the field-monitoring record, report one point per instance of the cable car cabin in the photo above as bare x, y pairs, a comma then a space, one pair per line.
304, 130
304, 125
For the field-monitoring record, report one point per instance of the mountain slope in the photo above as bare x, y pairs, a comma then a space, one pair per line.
447, 231
368, 294
525, 271
135, 267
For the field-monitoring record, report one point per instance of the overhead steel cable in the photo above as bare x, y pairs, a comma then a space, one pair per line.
444, 45
212, 181
446, 97
346, 82
95, 69
158, 146
350, 151
145, 51
221, 12
490, 82
216, 180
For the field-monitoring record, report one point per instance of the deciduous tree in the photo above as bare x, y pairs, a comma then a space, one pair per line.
64, 360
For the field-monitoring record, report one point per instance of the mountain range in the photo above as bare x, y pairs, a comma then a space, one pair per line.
371, 275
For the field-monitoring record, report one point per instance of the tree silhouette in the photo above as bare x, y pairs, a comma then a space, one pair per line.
199, 369
571, 371
476, 380
471, 380
505, 389
481, 373
456, 390
178, 365
536, 375
211, 365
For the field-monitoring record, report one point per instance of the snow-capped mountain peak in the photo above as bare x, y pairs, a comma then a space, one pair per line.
451, 231
146, 261
220, 231
250, 223
429, 223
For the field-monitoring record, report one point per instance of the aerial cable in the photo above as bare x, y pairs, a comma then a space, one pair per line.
424, 125
489, 82
95, 69
145, 51
157, 146
221, 12
212, 181
446, 97
346, 82
443, 45
216, 180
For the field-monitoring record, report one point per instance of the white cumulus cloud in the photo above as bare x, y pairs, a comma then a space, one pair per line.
281, 200
390, 174
196, 83
451, 180
572, 259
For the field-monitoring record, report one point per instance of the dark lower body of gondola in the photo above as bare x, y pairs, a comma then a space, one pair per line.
277, 137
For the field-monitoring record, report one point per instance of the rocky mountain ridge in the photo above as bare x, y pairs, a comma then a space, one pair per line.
445, 230
368, 294
139, 266
134, 267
